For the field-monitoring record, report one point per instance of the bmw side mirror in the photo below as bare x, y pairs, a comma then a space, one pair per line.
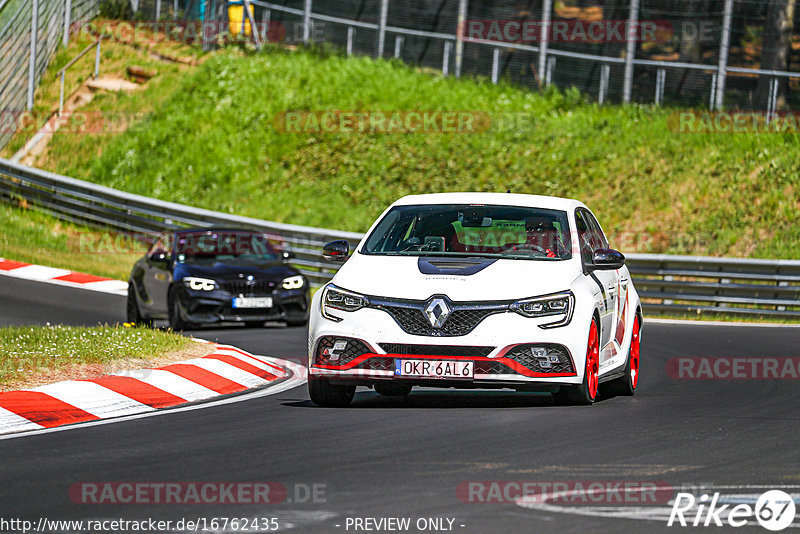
337, 251
159, 257
288, 255
607, 259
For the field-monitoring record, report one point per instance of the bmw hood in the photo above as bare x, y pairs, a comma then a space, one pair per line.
460, 279
226, 271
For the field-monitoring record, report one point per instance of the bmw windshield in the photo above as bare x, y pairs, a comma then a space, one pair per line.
224, 246
471, 230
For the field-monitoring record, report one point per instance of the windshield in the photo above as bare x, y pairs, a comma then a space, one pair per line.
209, 246
472, 230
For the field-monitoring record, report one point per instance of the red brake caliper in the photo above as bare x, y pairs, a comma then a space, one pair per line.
592, 361
635, 354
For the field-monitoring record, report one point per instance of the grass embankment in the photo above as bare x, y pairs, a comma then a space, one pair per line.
35, 355
212, 143
122, 108
29, 236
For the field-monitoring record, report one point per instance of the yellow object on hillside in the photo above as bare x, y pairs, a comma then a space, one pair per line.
235, 16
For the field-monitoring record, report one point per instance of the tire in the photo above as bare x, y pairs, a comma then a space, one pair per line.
586, 393
393, 390
325, 394
625, 385
132, 311
176, 322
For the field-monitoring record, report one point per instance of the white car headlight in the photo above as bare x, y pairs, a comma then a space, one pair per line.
562, 303
293, 282
335, 298
199, 284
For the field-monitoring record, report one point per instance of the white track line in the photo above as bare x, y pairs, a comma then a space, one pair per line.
687, 322
296, 378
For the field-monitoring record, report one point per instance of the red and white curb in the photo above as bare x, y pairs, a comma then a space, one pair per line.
63, 277
227, 370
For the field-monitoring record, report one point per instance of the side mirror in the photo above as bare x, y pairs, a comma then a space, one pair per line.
606, 259
159, 257
337, 251
288, 255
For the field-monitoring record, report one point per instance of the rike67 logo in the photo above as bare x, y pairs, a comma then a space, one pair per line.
774, 510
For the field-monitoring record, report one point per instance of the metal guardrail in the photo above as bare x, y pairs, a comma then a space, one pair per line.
667, 284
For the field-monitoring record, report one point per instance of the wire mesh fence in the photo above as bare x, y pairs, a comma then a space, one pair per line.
702, 53
30, 32
737, 54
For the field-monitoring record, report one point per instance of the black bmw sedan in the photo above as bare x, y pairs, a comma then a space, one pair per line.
211, 275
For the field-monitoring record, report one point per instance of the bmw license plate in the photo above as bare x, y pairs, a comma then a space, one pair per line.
434, 368
252, 302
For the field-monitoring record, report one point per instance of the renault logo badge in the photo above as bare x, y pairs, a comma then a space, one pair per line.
437, 311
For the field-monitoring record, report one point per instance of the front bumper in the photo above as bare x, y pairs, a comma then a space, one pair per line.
497, 346
216, 306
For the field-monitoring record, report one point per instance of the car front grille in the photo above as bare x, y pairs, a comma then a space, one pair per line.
248, 287
462, 320
377, 364
435, 350
352, 350
523, 355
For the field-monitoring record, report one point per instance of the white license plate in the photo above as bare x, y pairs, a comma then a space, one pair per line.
434, 368
252, 302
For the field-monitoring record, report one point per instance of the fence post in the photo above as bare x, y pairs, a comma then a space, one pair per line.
724, 49
67, 21
97, 58
249, 14
266, 17
661, 78
307, 21
713, 91
631, 32
398, 45
32, 59
382, 26
350, 35
605, 73
175, 10
462, 19
495, 64
544, 38
446, 58
551, 66
772, 102
158, 10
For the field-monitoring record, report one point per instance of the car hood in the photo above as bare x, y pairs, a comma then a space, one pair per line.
410, 278
227, 270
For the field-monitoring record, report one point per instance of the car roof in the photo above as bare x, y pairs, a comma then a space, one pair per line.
502, 199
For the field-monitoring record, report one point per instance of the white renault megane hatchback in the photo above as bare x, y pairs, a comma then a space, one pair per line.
477, 290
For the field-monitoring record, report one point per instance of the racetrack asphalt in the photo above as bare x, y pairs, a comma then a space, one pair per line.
386, 457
